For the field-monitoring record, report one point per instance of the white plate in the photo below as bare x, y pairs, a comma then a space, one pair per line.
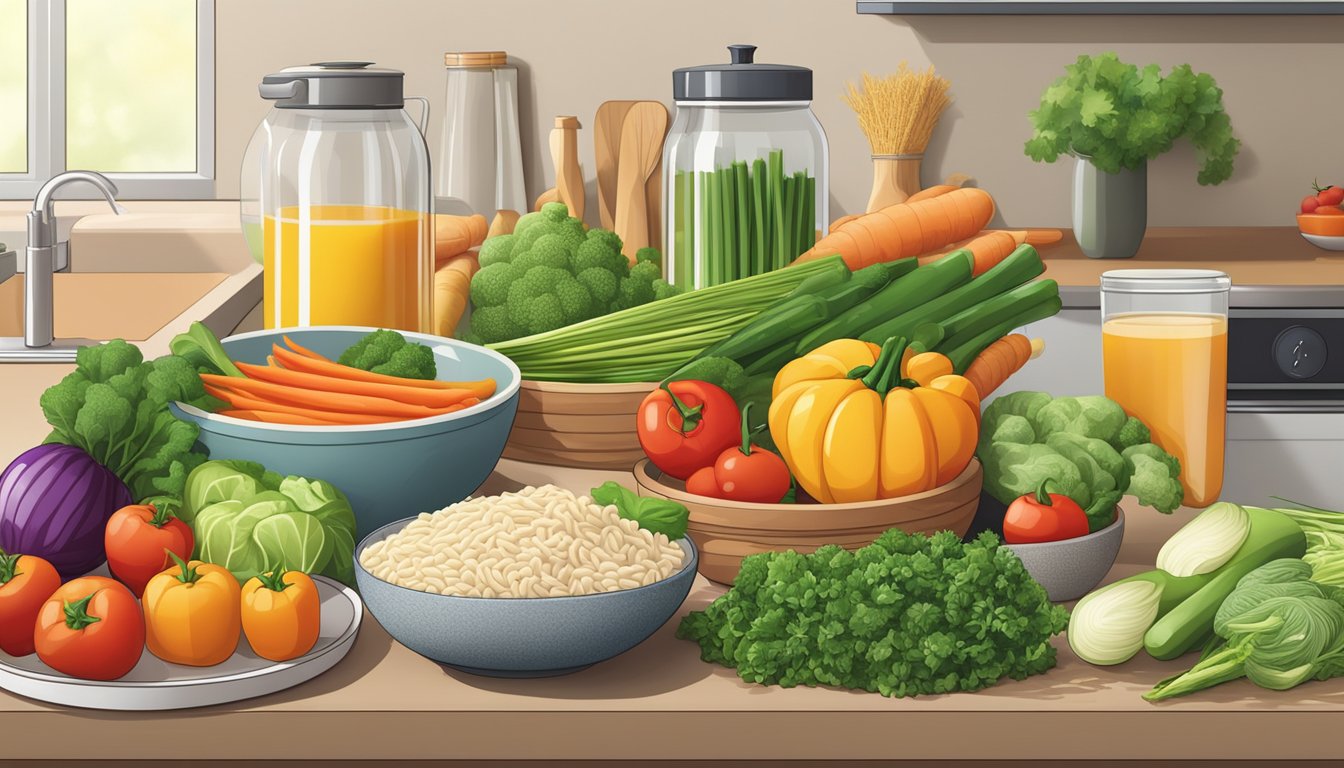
154, 684
1325, 241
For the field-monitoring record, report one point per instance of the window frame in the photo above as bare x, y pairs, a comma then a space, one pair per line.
46, 116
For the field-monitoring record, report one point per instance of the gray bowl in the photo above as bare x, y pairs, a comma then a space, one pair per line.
1070, 568
386, 469
521, 637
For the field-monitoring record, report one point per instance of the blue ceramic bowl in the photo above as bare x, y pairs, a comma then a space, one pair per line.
521, 637
390, 469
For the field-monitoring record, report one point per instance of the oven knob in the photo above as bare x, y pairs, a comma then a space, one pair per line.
1300, 352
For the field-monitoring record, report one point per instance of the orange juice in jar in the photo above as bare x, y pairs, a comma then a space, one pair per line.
1164, 351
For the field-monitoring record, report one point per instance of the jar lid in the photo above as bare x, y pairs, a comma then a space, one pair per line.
742, 79
475, 59
335, 85
1165, 281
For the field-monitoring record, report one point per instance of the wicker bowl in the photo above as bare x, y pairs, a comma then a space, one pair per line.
587, 426
727, 531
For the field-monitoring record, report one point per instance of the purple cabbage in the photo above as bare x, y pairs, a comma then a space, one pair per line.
55, 501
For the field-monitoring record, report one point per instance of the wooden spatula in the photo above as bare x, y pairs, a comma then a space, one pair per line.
607, 153
641, 151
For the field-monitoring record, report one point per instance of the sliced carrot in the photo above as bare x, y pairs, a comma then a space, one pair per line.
302, 350
429, 398
276, 417
326, 401
296, 362
243, 402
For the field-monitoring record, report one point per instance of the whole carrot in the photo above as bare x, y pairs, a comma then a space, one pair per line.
429, 398
242, 402
296, 362
326, 401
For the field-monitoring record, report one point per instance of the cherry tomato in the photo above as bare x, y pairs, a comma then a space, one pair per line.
685, 425
748, 472
1330, 196
702, 483
1310, 204
1043, 516
25, 584
91, 628
1328, 210
138, 539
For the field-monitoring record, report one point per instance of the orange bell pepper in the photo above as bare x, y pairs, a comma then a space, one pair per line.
281, 614
193, 613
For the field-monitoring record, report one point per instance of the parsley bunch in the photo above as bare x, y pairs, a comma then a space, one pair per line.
1119, 116
905, 615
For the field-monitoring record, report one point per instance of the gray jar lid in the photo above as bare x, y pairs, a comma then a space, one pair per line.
742, 79
335, 85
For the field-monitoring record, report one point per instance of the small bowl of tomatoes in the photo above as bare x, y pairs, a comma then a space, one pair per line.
1321, 218
1050, 534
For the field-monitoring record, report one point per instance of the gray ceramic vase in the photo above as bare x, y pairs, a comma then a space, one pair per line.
1110, 210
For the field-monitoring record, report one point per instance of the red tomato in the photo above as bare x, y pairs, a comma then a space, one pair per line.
702, 483
1309, 204
138, 539
748, 472
685, 425
1328, 210
1043, 516
1330, 196
25, 584
91, 628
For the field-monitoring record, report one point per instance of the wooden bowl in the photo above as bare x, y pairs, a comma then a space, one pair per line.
727, 531
587, 426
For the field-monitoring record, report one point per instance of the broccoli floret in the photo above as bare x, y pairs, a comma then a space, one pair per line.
719, 371
1134, 432
492, 324
602, 284
1152, 482
596, 253
664, 290
490, 286
548, 251
496, 249
554, 220
388, 353
638, 287
576, 301
533, 304
610, 239
648, 254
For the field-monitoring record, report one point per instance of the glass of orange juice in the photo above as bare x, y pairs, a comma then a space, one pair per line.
1164, 352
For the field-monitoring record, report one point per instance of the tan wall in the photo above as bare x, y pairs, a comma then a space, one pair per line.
1276, 71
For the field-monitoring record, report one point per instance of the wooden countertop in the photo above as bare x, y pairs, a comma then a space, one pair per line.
1259, 256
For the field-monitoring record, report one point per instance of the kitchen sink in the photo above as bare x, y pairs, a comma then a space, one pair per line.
111, 305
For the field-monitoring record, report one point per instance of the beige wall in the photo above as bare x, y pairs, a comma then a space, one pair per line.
1278, 74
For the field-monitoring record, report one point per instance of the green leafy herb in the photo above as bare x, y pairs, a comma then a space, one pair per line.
200, 347
114, 406
389, 353
1119, 116
904, 616
653, 514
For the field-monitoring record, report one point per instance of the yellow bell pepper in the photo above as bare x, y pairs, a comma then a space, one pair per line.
854, 425
281, 614
193, 614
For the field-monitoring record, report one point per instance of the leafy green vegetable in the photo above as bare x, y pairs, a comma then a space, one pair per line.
1119, 116
904, 616
250, 520
389, 353
722, 372
114, 406
1087, 445
1278, 629
653, 514
550, 273
200, 347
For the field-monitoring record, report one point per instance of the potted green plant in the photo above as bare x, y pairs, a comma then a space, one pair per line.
1113, 118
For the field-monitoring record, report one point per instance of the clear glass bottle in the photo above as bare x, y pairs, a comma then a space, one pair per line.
480, 155
746, 170
344, 200
1164, 353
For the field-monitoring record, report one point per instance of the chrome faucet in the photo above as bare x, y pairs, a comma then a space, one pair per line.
38, 343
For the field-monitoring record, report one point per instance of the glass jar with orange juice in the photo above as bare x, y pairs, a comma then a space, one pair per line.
344, 201
1164, 351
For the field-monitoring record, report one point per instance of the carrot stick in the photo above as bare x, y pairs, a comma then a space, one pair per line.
429, 398
243, 402
296, 362
276, 417
1000, 360
325, 401
923, 225
303, 350
452, 285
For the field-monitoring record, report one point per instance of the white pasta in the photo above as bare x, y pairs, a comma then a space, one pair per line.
538, 542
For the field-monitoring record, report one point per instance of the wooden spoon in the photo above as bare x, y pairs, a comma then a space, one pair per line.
568, 172
607, 152
641, 151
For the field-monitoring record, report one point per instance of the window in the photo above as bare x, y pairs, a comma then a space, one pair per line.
125, 87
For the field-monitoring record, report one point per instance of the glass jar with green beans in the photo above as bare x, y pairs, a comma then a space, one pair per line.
745, 171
